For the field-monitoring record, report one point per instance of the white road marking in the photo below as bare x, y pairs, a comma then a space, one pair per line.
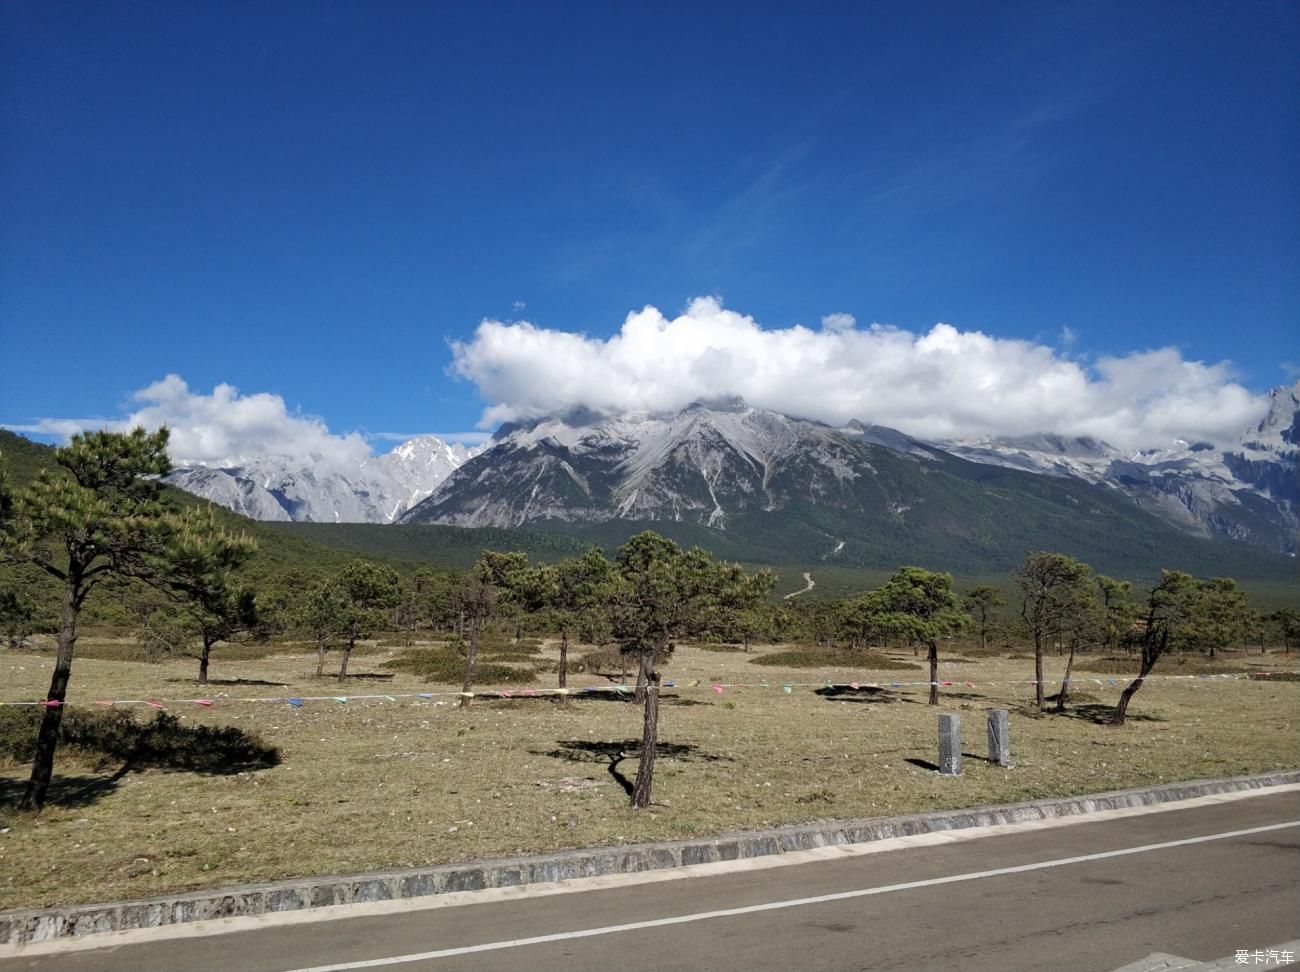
455, 899
790, 903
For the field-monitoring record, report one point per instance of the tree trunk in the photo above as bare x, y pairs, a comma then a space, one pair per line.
933, 647
1065, 682
1038, 670
203, 661
639, 697
984, 634
347, 653
410, 621
320, 657
1121, 708
1149, 656
471, 662
47, 741
649, 740
564, 659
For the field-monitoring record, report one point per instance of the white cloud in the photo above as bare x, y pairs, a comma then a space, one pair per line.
64, 428
221, 428
839, 323
944, 383
226, 426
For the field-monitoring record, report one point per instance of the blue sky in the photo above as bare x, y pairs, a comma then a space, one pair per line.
315, 200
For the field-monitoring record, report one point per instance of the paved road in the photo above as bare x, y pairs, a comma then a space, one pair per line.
1091, 896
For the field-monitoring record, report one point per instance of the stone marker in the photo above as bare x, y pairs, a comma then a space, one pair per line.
950, 745
999, 737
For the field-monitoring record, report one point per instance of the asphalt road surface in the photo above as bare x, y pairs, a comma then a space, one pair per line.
1200, 882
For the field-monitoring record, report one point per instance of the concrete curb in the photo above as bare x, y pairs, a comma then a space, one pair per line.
77, 921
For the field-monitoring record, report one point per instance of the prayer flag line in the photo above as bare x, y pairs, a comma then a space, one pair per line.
787, 688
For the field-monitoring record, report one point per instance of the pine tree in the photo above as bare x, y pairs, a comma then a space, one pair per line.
370, 591
102, 516
920, 604
203, 558
979, 603
1049, 583
1170, 615
662, 594
491, 587
569, 595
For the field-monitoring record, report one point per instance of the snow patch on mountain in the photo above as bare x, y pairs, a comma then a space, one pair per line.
1246, 489
317, 490
706, 463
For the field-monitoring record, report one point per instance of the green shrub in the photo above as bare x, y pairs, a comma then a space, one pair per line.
447, 666
608, 659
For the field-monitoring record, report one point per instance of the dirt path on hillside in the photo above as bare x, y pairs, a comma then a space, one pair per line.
807, 580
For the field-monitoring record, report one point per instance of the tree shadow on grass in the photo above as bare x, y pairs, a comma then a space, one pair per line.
612, 754
1100, 714
69, 792
109, 737
863, 693
228, 681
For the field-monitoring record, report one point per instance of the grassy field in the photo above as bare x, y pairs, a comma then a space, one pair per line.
372, 783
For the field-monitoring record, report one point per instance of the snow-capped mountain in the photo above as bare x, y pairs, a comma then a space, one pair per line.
856, 491
705, 464
310, 490
418, 466
727, 466
1247, 490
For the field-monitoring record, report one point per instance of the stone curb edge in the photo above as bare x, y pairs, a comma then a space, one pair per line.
77, 921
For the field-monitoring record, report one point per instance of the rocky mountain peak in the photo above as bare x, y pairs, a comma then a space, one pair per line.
726, 403
312, 490
1283, 418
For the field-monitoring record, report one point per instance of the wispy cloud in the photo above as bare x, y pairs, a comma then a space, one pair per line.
62, 428
668, 227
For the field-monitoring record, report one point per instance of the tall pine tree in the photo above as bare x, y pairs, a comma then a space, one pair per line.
101, 516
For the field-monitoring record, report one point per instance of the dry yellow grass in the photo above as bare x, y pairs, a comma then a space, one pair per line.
379, 784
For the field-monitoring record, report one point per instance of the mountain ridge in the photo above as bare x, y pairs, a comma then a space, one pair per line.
1247, 490
283, 488
765, 485
806, 539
